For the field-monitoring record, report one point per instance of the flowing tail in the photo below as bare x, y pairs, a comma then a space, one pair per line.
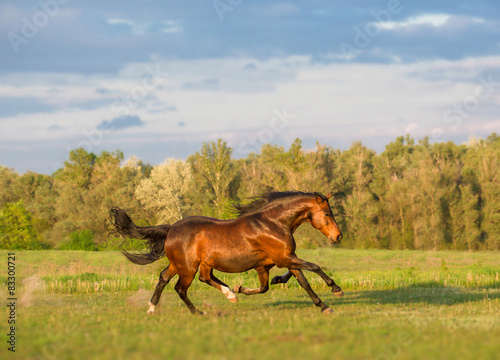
154, 236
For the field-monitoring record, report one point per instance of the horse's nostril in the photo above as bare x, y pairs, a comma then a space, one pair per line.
339, 237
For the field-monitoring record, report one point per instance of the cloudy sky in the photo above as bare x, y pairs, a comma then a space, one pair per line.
156, 79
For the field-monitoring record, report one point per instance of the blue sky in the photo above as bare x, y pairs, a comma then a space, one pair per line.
156, 79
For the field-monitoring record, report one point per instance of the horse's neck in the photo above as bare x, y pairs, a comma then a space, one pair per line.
291, 215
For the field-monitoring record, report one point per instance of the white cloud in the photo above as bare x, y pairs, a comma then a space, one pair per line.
280, 10
435, 20
171, 26
140, 28
410, 127
332, 103
114, 21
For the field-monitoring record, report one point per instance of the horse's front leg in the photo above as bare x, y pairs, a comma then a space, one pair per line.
283, 279
315, 298
293, 262
263, 273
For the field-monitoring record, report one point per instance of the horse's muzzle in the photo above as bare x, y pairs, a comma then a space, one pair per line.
336, 240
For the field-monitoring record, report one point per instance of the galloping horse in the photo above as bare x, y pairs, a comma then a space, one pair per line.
260, 238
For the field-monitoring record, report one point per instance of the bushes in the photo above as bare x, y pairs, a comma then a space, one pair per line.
80, 240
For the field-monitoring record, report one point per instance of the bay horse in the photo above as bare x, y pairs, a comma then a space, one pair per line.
260, 238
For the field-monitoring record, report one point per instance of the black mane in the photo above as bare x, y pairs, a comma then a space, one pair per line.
262, 200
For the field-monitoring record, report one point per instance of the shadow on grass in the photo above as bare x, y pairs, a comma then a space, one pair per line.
426, 293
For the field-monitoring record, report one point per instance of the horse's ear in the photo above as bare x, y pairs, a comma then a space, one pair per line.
319, 197
329, 195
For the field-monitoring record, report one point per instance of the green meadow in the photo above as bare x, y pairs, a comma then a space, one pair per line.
397, 305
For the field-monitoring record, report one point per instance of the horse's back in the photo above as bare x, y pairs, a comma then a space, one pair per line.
221, 244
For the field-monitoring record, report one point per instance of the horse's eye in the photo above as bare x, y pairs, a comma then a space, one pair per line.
327, 213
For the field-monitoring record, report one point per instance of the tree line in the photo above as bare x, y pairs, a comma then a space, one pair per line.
413, 195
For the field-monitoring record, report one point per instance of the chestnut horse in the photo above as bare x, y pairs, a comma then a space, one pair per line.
260, 238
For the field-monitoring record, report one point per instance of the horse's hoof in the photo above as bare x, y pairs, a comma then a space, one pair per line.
338, 293
152, 309
275, 280
229, 294
327, 310
237, 289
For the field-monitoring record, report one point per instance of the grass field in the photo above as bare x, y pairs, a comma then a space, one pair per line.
398, 305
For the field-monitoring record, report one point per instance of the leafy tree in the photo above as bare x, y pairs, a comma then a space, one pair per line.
7, 179
214, 169
483, 171
465, 217
85, 204
16, 228
78, 168
411, 196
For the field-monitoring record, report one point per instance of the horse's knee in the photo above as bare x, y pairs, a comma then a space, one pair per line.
204, 279
204, 275
315, 267
310, 267
179, 289
164, 277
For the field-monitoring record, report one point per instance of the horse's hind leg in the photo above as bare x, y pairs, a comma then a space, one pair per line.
207, 276
168, 273
185, 280
263, 273
305, 284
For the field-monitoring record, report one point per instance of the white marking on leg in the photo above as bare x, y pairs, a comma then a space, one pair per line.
229, 294
152, 308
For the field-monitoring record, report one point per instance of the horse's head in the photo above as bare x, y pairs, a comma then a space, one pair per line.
321, 218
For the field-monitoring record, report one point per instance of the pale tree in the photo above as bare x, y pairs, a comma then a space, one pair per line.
164, 192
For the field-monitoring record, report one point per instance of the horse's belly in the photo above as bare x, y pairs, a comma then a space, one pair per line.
235, 263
